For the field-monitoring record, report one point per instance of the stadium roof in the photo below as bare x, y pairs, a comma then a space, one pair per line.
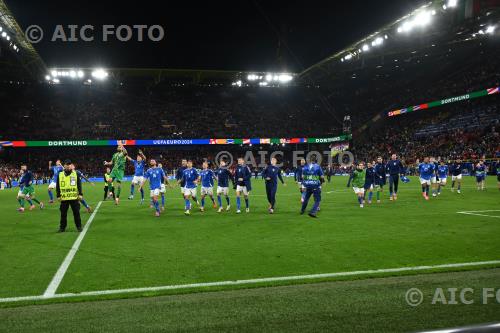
26, 59
443, 25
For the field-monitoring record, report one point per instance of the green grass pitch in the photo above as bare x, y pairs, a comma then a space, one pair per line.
127, 247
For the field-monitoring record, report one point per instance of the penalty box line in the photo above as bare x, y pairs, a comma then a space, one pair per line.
249, 282
57, 279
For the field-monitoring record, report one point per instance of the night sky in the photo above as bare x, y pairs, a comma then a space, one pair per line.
262, 35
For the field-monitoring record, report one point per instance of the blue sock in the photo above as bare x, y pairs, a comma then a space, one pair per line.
142, 193
202, 202
303, 195
163, 200
84, 203
188, 204
219, 200
157, 205
238, 203
360, 200
246, 202
51, 195
227, 200
459, 185
370, 196
30, 202
132, 187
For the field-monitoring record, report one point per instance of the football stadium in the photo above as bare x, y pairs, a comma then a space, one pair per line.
250, 166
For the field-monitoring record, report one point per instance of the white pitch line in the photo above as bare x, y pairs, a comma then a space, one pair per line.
476, 213
56, 280
250, 281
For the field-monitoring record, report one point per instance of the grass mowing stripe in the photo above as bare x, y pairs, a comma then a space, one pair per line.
56, 280
244, 282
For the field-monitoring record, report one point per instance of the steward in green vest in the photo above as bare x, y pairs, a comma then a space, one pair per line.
69, 191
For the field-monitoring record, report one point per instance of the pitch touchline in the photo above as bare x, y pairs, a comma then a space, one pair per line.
248, 282
56, 280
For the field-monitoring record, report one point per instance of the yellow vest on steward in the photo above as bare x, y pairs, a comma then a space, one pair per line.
68, 186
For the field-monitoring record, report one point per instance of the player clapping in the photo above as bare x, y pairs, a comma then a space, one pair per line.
223, 177
207, 177
190, 180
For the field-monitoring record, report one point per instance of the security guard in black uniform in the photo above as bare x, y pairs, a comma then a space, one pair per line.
69, 191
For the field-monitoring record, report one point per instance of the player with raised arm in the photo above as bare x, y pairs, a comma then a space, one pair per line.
156, 177
27, 190
358, 179
242, 176
426, 172
480, 175
118, 172
206, 178
190, 179
456, 175
443, 175
139, 166
312, 179
53, 183
271, 174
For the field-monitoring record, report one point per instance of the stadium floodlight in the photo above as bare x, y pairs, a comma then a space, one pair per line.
365, 48
269, 77
252, 77
100, 74
452, 3
285, 78
56, 80
47, 77
423, 19
378, 41
80, 74
348, 57
263, 84
72, 74
4, 34
1, 29
8, 37
53, 73
490, 29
